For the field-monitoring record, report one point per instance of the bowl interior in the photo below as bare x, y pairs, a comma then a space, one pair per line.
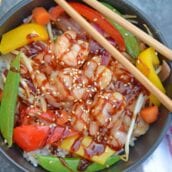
145, 144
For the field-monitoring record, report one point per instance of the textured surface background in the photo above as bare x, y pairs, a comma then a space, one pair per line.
159, 11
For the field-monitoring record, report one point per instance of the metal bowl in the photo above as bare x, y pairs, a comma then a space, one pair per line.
146, 144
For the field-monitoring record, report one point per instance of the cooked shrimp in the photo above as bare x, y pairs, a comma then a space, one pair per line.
106, 105
98, 73
68, 84
141, 127
71, 51
80, 114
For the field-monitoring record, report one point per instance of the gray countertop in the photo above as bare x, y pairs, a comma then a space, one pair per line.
159, 11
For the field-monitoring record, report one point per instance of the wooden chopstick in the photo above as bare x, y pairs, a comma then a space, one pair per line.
162, 49
116, 54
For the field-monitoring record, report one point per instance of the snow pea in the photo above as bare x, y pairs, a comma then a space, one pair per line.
131, 42
96, 167
9, 99
52, 164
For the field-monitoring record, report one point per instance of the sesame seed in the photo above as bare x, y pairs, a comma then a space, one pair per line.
69, 28
42, 61
52, 125
95, 19
37, 71
69, 88
62, 63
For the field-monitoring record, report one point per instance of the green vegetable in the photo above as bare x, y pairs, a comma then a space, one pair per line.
9, 99
132, 44
96, 167
54, 164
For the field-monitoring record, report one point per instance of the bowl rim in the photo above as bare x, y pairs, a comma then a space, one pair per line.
149, 21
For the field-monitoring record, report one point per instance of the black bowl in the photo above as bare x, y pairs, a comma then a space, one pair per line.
145, 144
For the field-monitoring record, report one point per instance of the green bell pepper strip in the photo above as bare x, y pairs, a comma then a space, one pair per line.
52, 164
9, 99
131, 42
110, 161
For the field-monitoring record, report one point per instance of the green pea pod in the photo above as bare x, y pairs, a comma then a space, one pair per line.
96, 167
131, 42
52, 164
9, 99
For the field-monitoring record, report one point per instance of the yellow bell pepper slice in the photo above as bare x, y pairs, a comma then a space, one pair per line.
22, 35
101, 159
146, 63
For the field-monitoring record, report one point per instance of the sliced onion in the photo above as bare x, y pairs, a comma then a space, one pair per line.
99, 29
65, 23
96, 49
105, 58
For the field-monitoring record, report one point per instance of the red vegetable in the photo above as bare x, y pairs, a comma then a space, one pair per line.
30, 137
41, 15
55, 12
92, 16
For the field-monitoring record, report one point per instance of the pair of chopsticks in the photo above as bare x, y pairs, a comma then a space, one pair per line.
164, 99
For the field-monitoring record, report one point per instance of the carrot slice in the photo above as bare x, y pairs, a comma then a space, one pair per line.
149, 114
40, 15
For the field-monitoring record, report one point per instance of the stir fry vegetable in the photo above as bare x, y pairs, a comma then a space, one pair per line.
86, 142
41, 16
52, 163
146, 63
150, 114
8, 102
22, 35
24, 136
95, 17
30, 137
131, 42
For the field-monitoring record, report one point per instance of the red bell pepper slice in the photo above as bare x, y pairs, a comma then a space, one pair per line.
30, 137
92, 16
